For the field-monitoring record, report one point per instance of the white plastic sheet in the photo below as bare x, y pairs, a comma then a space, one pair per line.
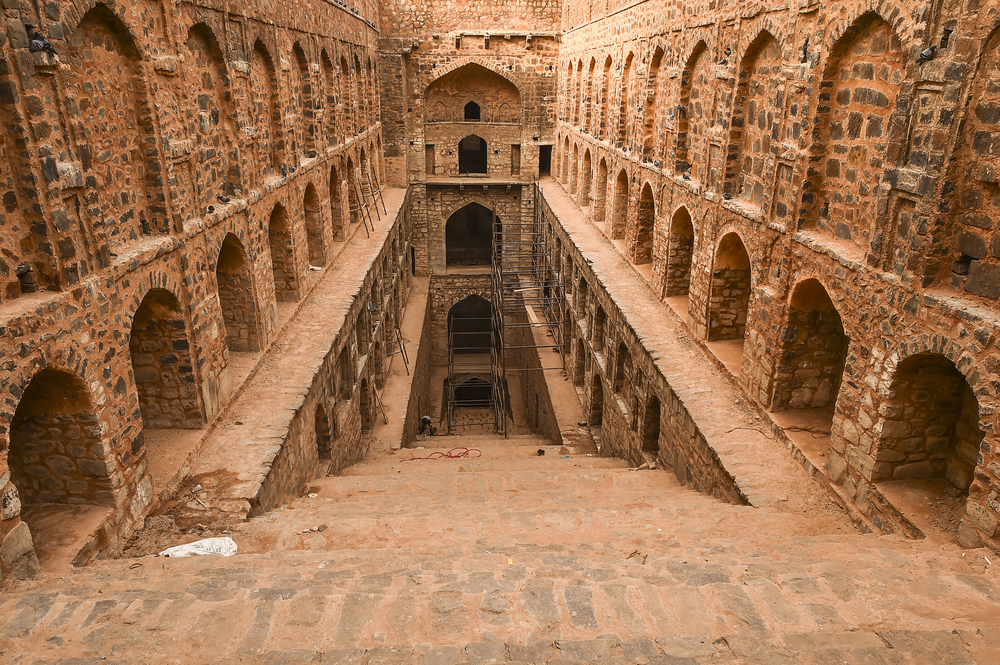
224, 546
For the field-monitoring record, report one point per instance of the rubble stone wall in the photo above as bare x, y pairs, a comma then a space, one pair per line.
145, 158
848, 143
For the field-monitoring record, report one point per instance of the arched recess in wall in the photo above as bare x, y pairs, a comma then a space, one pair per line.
348, 102
365, 407
619, 208
963, 251
372, 92
680, 248
240, 314
625, 103
564, 172
756, 120
469, 236
597, 335
596, 415
55, 461
470, 326
353, 206
651, 425
359, 94
574, 165
693, 112
302, 94
127, 187
586, 173
323, 432
472, 155
212, 123
568, 107
601, 198
580, 363
336, 206
578, 93
162, 366
645, 227
473, 81
730, 290
855, 134
330, 99
472, 111
813, 353
623, 369
650, 133
605, 103
588, 99
932, 429
267, 110
312, 212
279, 241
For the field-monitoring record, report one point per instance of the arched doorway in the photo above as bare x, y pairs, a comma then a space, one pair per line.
472, 111
730, 295
580, 364
62, 469
677, 276
314, 227
931, 432
472, 155
279, 241
365, 407
469, 236
236, 297
814, 351
470, 326
645, 227
161, 364
619, 209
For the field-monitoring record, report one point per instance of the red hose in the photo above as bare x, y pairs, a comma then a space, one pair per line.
454, 453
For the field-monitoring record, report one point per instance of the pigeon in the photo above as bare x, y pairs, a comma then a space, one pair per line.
223, 199
211, 208
293, 169
40, 43
927, 54
727, 196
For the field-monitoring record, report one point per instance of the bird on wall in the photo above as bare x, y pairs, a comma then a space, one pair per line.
927, 54
40, 43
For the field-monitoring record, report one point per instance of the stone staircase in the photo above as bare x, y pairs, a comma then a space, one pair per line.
515, 557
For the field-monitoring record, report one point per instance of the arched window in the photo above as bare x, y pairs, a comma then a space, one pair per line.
472, 111
469, 236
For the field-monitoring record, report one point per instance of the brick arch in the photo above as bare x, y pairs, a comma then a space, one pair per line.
476, 60
458, 295
153, 279
471, 198
65, 359
944, 345
889, 11
75, 10
686, 49
238, 230
752, 31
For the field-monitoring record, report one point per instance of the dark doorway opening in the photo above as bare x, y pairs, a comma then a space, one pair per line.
474, 393
472, 111
469, 236
472, 155
544, 160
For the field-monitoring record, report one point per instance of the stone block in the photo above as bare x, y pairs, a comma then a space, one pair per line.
981, 517
968, 537
10, 503
923, 469
983, 280
16, 546
836, 468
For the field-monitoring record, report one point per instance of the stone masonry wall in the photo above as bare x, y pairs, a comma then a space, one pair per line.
147, 157
835, 152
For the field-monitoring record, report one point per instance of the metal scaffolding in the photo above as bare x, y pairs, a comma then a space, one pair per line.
527, 299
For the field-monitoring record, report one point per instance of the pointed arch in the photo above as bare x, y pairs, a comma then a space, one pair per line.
693, 112
279, 241
237, 299
680, 248
650, 133
730, 290
645, 230
312, 212
267, 109
625, 103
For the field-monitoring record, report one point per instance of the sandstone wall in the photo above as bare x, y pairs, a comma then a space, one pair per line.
819, 136
118, 157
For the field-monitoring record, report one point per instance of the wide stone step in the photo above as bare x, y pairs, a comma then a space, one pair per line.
715, 601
